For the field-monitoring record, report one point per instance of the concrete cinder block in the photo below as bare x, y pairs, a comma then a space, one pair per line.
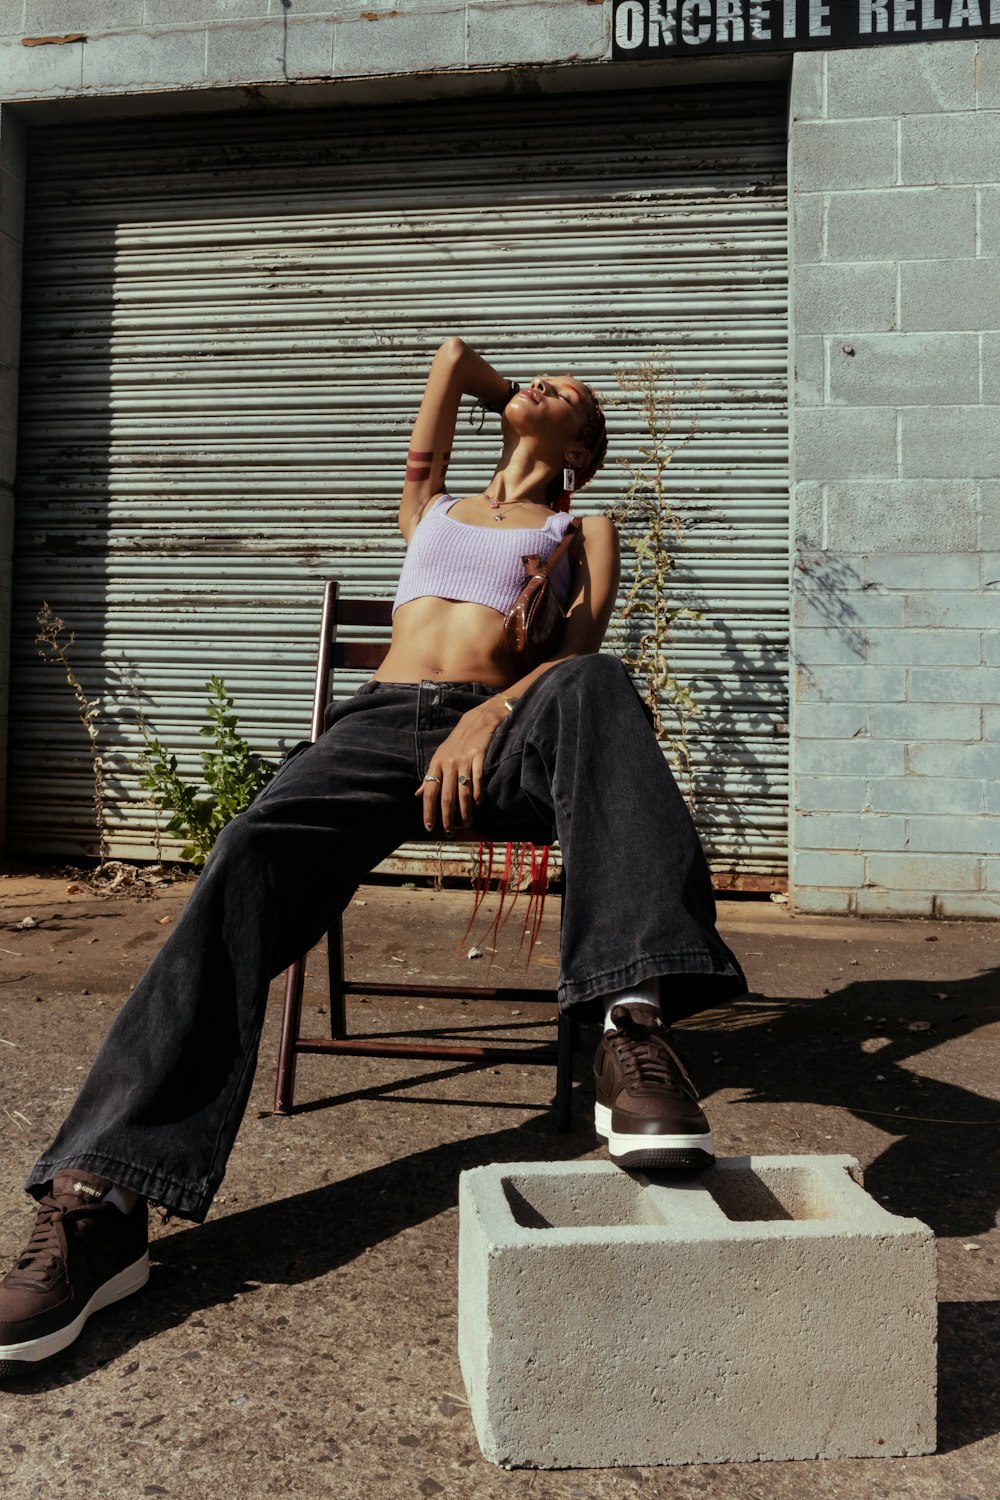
925, 79
829, 793
950, 441
823, 830
400, 43
818, 867
176, 12
850, 610
991, 867
991, 723
129, 60
39, 72
925, 721
919, 571
807, 227
831, 154
808, 374
989, 221
824, 575
879, 831
828, 644
949, 295
991, 367
270, 51
832, 721
12, 17
807, 87
927, 794
535, 32
860, 757
807, 513
989, 73
853, 685
949, 148
841, 442
901, 224
845, 299
982, 904
922, 872
958, 609
974, 760
873, 902
939, 834
908, 515
59, 17
911, 369
925, 647
767, 1309
954, 685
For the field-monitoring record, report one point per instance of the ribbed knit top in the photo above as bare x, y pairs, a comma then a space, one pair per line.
449, 559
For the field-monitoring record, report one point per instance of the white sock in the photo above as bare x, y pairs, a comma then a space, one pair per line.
123, 1198
646, 993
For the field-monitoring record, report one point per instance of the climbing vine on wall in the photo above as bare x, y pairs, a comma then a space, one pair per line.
651, 527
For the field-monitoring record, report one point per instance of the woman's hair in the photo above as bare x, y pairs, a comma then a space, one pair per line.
594, 437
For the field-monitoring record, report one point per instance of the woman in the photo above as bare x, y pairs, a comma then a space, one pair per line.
447, 731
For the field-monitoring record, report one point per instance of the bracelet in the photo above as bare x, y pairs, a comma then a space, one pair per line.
512, 390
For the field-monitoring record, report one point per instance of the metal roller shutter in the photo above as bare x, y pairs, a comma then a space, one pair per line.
227, 323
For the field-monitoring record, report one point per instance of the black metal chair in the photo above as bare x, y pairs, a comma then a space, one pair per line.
366, 654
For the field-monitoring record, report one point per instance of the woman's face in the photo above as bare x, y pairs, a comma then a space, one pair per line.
553, 409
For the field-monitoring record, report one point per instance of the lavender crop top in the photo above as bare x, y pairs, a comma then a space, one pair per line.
449, 559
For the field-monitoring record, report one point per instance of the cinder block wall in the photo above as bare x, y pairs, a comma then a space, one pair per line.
894, 158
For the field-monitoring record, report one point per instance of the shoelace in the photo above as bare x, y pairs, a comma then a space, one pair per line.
40, 1263
643, 1062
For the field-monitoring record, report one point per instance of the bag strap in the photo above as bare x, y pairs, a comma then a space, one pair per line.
570, 536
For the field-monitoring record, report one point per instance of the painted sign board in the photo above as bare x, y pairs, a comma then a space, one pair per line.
685, 28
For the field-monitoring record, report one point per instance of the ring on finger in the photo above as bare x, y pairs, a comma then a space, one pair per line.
435, 779
463, 781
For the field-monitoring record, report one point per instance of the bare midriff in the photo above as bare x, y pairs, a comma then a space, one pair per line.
446, 640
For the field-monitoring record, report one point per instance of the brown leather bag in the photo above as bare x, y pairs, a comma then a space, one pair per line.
534, 625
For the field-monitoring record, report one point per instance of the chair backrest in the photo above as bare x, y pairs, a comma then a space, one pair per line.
364, 654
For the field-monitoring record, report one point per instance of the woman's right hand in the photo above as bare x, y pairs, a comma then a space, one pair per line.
457, 768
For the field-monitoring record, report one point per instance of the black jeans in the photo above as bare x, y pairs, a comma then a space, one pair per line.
161, 1106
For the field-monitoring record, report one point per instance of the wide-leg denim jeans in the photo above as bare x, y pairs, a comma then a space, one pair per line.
161, 1106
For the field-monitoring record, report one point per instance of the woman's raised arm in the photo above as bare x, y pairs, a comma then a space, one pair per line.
456, 371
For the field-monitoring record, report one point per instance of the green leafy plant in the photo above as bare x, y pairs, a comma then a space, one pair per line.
234, 775
651, 527
54, 644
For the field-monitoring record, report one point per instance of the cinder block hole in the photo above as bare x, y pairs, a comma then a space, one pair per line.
752, 1197
572, 1201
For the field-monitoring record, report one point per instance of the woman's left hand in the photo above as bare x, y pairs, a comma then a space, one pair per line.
457, 766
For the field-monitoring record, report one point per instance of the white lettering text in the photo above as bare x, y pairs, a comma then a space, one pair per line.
630, 24
873, 16
903, 18
729, 21
760, 20
788, 18
928, 20
662, 23
819, 14
964, 13
688, 10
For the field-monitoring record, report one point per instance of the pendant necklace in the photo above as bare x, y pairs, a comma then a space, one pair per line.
495, 505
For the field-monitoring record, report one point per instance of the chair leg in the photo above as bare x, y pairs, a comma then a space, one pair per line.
565, 1043
335, 965
284, 1090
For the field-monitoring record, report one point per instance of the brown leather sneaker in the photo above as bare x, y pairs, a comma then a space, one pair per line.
647, 1107
83, 1255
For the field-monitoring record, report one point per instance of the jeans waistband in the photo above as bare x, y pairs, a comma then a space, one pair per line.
479, 689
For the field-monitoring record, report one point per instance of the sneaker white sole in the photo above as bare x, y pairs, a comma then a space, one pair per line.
663, 1151
123, 1285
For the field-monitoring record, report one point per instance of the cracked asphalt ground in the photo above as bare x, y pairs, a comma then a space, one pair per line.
303, 1341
